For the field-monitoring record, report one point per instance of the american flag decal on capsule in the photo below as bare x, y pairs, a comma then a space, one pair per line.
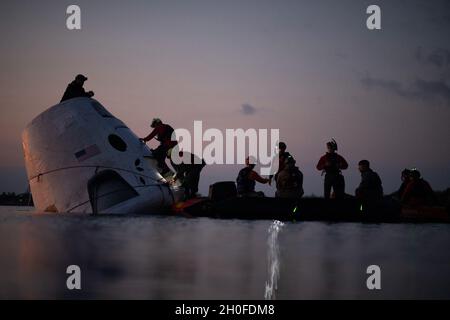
87, 153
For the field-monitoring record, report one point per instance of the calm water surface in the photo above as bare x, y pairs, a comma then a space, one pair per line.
150, 257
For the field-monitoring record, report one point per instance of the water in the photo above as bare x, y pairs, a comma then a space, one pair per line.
145, 257
273, 260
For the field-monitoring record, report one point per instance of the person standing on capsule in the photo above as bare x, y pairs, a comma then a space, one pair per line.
331, 164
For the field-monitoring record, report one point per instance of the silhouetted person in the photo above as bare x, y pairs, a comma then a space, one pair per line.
163, 133
247, 179
188, 173
282, 156
418, 191
332, 164
75, 89
405, 180
370, 188
289, 180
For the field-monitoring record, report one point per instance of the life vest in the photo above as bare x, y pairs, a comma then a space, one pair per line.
244, 183
333, 159
418, 189
165, 134
295, 178
290, 178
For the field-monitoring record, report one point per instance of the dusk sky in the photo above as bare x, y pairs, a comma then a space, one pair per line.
309, 68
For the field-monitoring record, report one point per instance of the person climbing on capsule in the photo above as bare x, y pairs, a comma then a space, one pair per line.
331, 164
163, 133
75, 89
247, 178
289, 180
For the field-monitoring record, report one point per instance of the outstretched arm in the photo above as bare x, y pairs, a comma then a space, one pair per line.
342, 163
150, 136
254, 176
321, 164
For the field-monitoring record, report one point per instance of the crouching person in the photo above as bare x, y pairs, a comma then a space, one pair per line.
247, 178
370, 188
188, 173
289, 181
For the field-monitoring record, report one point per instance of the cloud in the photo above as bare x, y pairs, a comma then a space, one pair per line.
248, 109
439, 57
426, 90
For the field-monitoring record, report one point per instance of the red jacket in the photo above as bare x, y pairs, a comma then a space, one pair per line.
163, 133
332, 163
418, 192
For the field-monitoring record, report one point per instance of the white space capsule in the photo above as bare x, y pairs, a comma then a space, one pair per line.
80, 158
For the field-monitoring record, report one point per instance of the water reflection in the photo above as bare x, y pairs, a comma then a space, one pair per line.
143, 257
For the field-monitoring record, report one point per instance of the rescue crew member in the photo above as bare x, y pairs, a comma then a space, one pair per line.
75, 89
405, 180
332, 164
418, 191
247, 178
370, 188
163, 133
188, 172
289, 180
282, 156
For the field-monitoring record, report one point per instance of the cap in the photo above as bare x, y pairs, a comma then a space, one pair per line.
81, 77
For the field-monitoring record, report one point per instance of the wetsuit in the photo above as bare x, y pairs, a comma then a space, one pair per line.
290, 183
246, 181
163, 133
370, 188
332, 164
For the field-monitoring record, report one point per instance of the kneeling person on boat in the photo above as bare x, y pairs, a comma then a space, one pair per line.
247, 179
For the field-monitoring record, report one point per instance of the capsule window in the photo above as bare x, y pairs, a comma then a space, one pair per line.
117, 143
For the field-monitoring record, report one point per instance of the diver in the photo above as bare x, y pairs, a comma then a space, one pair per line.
370, 189
188, 172
163, 133
247, 178
289, 180
332, 163
75, 89
418, 192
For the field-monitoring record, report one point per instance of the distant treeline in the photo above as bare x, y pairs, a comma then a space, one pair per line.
13, 199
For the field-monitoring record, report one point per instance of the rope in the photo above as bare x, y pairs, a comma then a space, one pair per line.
93, 166
111, 192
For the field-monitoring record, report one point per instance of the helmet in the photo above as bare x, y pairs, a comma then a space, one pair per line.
81, 77
415, 173
250, 160
406, 172
155, 122
332, 144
